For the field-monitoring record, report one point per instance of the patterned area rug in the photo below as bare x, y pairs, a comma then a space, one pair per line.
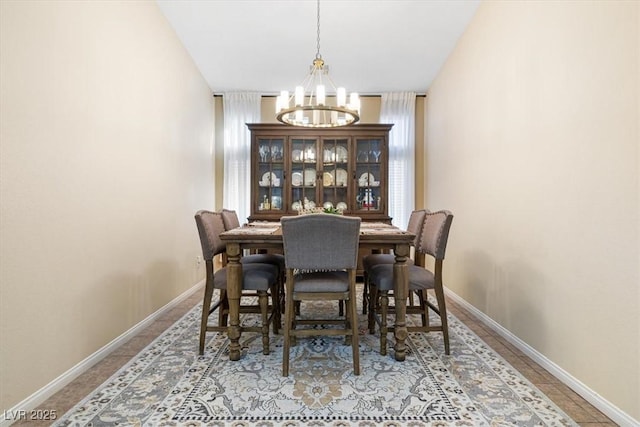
168, 384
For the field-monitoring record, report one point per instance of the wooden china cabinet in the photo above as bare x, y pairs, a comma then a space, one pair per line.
294, 168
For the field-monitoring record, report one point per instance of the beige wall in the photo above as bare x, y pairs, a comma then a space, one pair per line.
533, 143
106, 143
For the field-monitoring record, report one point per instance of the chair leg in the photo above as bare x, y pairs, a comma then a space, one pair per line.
353, 314
365, 292
281, 299
373, 298
263, 300
206, 308
424, 307
293, 339
384, 308
443, 316
347, 321
410, 303
288, 317
223, 313
275, 301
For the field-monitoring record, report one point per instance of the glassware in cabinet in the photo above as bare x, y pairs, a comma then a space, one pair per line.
335, 173
270, 174
304, 173
369, 174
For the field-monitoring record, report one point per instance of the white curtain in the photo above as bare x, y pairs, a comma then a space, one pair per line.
399, 108
239, 109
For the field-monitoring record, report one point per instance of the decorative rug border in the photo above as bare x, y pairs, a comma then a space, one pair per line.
110, 390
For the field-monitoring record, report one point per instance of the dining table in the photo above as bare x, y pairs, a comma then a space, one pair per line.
267, 235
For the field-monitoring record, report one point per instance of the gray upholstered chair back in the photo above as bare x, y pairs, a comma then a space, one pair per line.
320, 241
416, 220
435, 233
230, 219
210, 226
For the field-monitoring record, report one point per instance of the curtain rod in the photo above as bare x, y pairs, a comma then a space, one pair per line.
418, 95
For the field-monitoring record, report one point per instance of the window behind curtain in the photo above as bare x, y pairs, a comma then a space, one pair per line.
399, 109
239, 109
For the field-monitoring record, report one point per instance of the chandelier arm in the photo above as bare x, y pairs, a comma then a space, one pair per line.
312, 94
333, 85
308, 80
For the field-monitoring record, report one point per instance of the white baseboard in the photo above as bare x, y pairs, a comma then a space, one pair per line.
12, 415
616, 414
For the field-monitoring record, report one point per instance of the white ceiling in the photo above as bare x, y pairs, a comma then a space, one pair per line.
370, 46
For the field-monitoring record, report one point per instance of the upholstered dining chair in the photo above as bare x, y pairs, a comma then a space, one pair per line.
261, 280
318, 210
433, 242
416, 219
321, 252
231, 221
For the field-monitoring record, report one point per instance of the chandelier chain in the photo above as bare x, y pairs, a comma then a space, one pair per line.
319, 111
318, 56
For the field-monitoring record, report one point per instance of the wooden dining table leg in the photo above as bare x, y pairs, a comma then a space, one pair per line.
234, 292
400, 290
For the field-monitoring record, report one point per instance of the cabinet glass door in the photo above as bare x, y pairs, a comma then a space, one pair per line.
304, 174
270, 174
335, 174
368, 175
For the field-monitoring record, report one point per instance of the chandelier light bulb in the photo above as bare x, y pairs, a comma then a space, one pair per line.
299, 96
353, 99
341, 96
320, 94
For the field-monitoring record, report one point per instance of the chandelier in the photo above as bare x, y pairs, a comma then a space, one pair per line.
311, 106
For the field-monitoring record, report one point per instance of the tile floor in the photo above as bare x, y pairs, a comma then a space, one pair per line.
569, 401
